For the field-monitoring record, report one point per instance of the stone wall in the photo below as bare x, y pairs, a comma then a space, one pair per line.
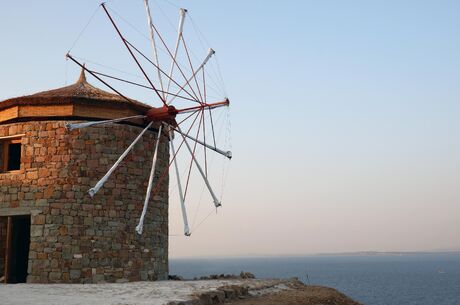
75, 238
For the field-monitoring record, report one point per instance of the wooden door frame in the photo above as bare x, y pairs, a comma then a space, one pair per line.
9, 236
5, 154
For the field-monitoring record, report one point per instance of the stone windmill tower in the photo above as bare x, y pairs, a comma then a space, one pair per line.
50, 229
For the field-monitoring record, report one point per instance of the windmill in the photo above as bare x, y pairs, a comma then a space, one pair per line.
172, 86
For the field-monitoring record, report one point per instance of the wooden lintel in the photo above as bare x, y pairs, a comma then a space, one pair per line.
13, 136
5, 212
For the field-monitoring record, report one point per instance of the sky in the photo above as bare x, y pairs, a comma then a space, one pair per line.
344, 116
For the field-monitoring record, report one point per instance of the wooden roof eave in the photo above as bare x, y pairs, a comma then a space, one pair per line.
77, 108
32, 100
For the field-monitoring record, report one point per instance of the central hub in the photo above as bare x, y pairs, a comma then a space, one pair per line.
164, 114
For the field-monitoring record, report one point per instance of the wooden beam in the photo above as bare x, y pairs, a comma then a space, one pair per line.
44, 111
9, 114
69, 110
13, 136
5, 212
9, 238
5, 145
102, 112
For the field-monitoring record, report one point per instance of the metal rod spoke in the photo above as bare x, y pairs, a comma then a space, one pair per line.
140, 225
188, 117
204, 146
182, 13
210, 112
212, 127
213, 195
227, 154
175, 61
143, 86
73, 126
211, 52
179, 185
154, 47
97, 77
204, 87
210, 106
191, 67
193, 156
101, 182
164, 73
132, 54
165, 171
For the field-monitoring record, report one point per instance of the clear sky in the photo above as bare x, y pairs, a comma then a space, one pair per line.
345, 116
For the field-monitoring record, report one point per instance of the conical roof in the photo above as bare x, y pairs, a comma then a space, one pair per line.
82, 96
81, 90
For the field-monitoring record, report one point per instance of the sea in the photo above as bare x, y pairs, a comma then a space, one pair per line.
378, 279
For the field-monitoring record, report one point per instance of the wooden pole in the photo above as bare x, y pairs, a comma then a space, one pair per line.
9, 236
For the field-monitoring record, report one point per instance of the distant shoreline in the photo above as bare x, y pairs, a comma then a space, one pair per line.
382, 253
358, 253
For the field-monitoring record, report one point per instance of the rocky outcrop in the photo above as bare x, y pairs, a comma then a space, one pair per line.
272, 292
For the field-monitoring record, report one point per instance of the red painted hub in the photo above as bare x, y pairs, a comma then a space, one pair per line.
164, 114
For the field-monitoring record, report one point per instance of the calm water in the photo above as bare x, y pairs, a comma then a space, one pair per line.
422, 279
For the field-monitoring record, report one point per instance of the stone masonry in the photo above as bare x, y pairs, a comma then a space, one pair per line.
76, 239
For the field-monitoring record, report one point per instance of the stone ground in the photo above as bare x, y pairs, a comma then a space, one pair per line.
151, 293
202, 292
